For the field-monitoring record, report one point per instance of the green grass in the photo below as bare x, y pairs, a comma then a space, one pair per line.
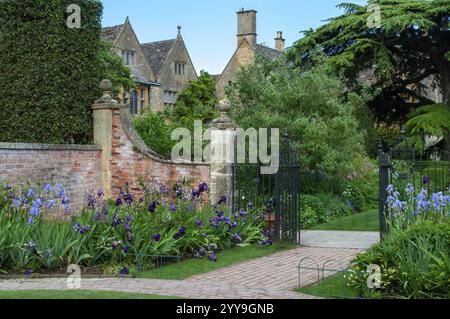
332, 287
75, 294
368, 221
191, 267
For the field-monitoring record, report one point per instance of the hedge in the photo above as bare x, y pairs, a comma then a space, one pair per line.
48, 72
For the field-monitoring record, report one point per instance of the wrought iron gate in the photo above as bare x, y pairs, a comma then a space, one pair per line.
401, 164
278, 194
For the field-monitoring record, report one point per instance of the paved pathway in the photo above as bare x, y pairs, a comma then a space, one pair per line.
339, 239
271, 277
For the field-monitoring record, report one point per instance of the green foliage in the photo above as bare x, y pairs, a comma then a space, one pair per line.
432, 120
334, 206
156, 131
196, 102
394, 51
109, 237
355, 197
414, 254
49, 73
414, 262
310, 104
113, 69
315, 204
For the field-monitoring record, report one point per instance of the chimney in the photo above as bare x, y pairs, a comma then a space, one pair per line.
280, 44
247, 26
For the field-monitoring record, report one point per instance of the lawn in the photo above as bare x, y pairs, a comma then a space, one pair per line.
191, 267
367, 221
75, 294
332, 287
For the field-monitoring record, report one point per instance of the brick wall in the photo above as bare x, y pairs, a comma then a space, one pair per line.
76, 167
131, 159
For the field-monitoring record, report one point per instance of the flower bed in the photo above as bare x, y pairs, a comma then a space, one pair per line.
115, 235
413, 258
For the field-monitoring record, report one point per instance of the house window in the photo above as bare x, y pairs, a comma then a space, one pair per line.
134, 102
142, 99
128, 57
132, 57
170, 98
179, 68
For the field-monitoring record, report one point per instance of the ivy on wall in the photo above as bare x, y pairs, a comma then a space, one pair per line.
48, 71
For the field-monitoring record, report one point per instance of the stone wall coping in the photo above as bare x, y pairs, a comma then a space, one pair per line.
108, 106
140, 145
48, 147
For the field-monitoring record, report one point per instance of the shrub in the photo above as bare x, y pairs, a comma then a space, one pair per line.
49, 73
353, 195
414, 256
196, 102
310, 103
334, 206
308, 218
315, 205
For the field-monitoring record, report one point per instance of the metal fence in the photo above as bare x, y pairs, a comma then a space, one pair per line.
401, 164
278, 193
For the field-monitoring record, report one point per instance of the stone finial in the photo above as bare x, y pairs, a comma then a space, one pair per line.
179, 29
224, 106
106, 87
223, 122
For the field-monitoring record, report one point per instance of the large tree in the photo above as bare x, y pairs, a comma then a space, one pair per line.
396, 43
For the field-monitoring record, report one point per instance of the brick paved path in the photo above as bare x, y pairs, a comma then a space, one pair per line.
271, 277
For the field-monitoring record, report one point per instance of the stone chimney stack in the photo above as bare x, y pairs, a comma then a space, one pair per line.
280, 43
246, 26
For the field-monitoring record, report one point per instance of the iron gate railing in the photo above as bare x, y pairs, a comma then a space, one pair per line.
278, 194
400, 165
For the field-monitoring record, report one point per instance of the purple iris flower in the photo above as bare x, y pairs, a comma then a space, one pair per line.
182, 231
426, 180
125, 271
173, 208
251, 205
222, 200
126, 249
76, 227
176, 236
157, 237
119, 201
203, 187
198, 223
201, 253
100, 193
85, 229
152, 207
213, 257
115, 245
28, 272
236, 238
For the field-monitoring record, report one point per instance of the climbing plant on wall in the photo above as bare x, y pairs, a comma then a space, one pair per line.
49, 69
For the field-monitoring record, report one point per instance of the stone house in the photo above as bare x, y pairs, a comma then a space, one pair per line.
161, 69
172, 66
126, 45
247, 48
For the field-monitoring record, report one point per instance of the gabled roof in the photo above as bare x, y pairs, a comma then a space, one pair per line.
267, 52
112, 33
157, 53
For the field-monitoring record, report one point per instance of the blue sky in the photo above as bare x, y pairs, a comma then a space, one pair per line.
209, 26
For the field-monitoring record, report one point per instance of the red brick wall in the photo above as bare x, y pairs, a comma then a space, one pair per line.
131, 158
77, 168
